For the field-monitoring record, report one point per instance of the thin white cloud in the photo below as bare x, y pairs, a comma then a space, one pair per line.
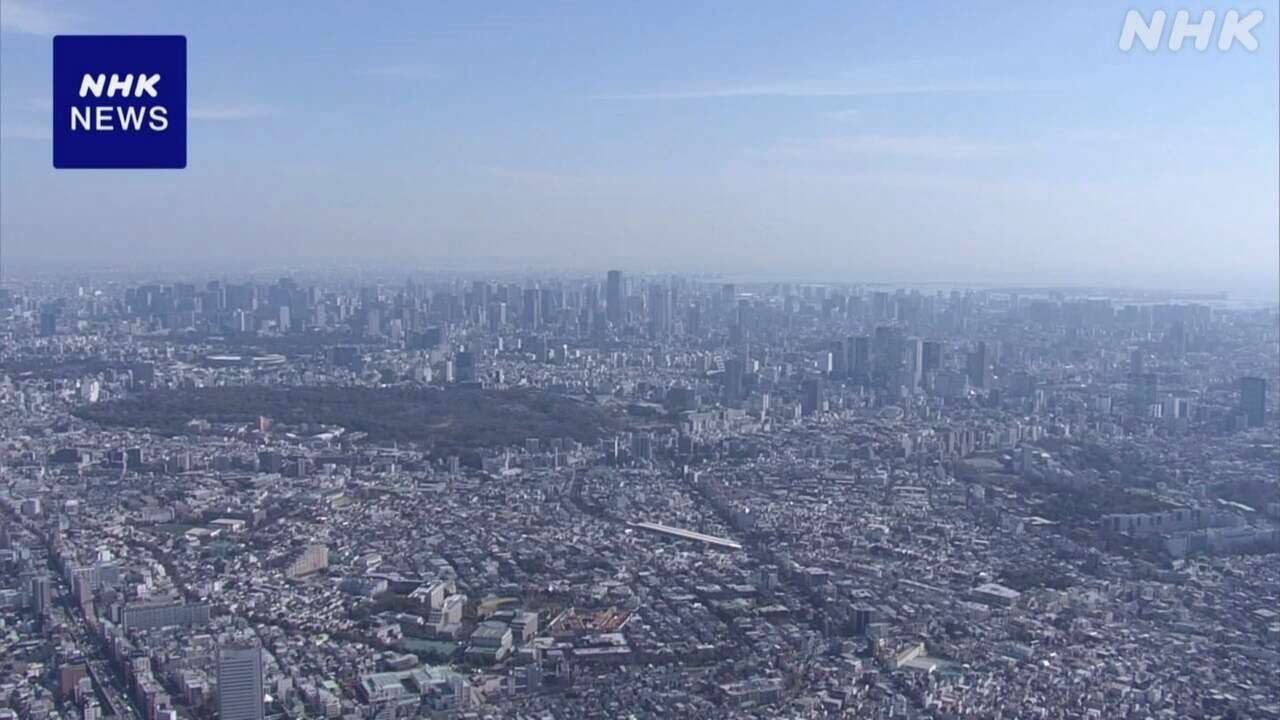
550, 182
800, 90
1133, 148
231, 112
35, 18
904, 146
845, 115
307, 168
404, 71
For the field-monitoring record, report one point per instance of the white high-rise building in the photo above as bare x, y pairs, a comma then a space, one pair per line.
240, 682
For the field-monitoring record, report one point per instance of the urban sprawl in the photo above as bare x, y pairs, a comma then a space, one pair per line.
634, 496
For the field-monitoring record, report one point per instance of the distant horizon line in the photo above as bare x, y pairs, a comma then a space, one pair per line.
472, 268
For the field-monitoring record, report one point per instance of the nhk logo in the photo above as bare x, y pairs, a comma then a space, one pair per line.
1234, 28
119, 101
100, 117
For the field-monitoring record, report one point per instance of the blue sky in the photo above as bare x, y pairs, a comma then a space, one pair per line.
978, 141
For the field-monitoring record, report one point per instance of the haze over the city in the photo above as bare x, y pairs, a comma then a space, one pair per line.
975, 142
649, 360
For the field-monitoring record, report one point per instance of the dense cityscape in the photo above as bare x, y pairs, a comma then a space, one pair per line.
628, 495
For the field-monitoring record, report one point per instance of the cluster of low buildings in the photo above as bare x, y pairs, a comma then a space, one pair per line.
817, 501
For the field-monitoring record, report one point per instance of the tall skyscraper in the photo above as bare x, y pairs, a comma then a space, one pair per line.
746, 317
811, 396
1146, 391
860, 359
480, 293
915, 360
240, 682
1253, 400
888, 348
532, 310
551, 300
840, 358
979, 367
932, 355
1176, 338
373, 322
49, 323
41, 593
733, 372
659, 311
613, 297
693, 320
465, 366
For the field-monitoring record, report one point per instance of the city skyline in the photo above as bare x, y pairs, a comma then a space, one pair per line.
619, 494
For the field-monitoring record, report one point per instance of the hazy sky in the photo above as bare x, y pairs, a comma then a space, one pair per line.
950, 141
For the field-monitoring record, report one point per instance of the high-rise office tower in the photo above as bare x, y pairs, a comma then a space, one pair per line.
532, 310
1176, 338
693, 320
551, 300
860, 360
882, 306
613, 297
888, 354
860, 354
863, 616
932, 355
465, 366
915, 360
1253, 400
733, 372
1146, 391
888, 346
48, 323
240, 682
659, 311
480, 293
840, 358
811, 396
41, 593
372, 322
746, 317
978, 367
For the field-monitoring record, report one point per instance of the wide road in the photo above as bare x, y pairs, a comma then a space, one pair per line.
106, 681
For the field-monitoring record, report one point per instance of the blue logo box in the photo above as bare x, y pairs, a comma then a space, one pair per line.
119, 101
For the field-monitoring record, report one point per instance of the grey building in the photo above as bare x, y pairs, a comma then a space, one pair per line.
240, 682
